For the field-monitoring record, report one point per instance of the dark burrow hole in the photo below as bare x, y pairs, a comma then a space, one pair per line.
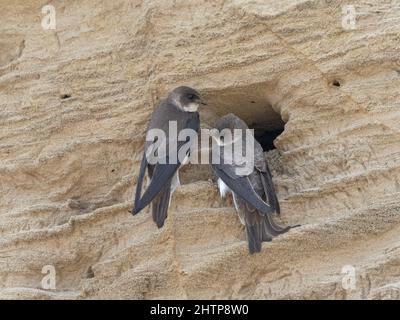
266, 137
253, 107
336, 83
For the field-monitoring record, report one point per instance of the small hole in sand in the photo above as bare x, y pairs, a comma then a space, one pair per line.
65, 96
89, 273
336, 83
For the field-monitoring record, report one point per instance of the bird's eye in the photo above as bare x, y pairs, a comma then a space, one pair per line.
191, 96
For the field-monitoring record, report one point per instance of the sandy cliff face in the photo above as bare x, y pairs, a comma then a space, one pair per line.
74, 103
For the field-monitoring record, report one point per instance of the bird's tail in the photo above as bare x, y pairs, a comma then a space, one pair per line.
256, 234
254, 238
160, 205
269, 189
272, 228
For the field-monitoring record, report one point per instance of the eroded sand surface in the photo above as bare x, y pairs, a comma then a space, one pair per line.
74, 104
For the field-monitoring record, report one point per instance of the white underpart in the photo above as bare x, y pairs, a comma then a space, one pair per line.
185, 160
223, 188
191, 107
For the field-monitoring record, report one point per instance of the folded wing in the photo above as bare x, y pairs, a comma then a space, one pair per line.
161, 175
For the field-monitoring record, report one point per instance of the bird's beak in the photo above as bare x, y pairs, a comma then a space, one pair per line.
202, 102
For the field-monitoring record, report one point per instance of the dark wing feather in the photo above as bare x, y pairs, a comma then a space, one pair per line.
241, 186
255, 231
269, 225
261, 166
272, 228
254, 224
254, 237
160, 205
269, 190
139, 184
162, 173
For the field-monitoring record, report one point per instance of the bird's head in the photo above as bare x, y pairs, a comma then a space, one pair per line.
231, 122
224, 129
186, 99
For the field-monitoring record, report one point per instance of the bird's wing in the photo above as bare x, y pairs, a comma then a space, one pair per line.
139, 183
160, 205
270, 197
269, 189
163, 173
254, 224
261, 166
241, 186
259, 227
272, 228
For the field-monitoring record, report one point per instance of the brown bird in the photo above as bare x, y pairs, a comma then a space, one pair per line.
181, 108
253, 192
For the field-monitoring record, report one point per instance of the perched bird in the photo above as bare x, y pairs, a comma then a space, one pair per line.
253, 192
180, 108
